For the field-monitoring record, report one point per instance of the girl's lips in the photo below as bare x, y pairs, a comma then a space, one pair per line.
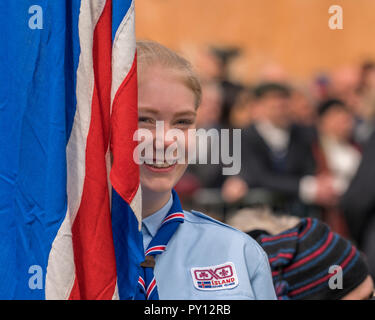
160, 170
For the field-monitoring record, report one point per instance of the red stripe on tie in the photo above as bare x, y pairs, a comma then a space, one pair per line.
267, 239
325, 278
174, 216
150, 288
94, 255
157, 248
312, 255
142, 282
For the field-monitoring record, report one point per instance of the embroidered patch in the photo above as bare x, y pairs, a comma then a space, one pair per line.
218, 277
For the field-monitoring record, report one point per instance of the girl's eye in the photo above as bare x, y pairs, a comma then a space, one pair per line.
145, 120
184, 122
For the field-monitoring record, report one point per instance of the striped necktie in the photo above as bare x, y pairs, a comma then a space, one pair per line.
147, 289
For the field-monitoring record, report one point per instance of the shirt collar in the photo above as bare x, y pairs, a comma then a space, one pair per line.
276, 138
153, 222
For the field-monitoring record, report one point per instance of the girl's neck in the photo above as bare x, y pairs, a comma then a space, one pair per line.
153, 201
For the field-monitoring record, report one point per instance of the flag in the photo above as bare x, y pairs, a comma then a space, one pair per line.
70, 200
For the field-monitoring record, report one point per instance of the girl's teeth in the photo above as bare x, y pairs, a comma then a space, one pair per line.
164, 165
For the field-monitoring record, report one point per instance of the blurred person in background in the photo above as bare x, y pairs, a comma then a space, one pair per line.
230, 88
351, 85
244, 112
336, 156
344, 84
358, 204
303, 111
365, 120
207, 64
273, 72
213, 65
208, 175
302, 108
212, 98
320, 87
302, 262
277, 156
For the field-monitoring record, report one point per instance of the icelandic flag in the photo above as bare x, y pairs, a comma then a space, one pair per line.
69, 188
204, 284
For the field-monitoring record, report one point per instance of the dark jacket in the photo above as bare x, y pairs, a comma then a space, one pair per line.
358, 203
263, 169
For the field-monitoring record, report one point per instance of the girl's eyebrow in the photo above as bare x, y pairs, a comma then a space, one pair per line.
178, 114
185, 113
149, 110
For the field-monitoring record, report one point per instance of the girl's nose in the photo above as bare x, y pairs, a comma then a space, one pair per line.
161, 143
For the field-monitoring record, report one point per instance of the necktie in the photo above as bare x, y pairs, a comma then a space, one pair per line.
147, 289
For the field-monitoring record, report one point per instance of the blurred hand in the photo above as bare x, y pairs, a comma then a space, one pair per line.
326, 194
234, 188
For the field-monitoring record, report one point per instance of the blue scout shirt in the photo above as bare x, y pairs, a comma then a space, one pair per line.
206, 259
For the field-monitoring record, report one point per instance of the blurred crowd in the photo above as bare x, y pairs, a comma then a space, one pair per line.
307, 150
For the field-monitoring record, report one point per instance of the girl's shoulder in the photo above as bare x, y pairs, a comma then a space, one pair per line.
219, 230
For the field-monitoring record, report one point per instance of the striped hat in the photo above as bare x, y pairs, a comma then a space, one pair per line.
304, 258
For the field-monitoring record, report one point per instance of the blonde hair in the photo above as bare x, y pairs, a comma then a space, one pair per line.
150, 53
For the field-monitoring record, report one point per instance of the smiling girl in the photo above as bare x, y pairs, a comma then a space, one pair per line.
188, 254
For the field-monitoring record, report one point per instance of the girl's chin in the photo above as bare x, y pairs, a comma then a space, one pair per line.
156, 182
161, 180
156, 185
